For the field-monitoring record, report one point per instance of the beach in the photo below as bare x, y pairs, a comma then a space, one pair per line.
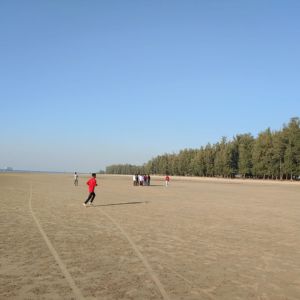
195, 239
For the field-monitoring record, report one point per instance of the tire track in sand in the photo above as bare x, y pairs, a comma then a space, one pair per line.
141, 257
75, 289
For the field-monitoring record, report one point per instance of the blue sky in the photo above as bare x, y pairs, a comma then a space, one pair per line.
85, 84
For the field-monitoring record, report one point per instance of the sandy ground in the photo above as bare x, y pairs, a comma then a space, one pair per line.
196, 239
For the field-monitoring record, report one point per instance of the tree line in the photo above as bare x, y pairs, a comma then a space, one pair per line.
271, 155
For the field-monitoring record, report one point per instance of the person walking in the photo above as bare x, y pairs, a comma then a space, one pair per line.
92, 183
75, 179
167, 179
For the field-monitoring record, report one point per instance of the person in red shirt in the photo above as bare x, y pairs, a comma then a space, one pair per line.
167, 179
92, 183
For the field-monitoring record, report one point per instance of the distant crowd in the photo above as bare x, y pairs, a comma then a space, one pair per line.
141, 180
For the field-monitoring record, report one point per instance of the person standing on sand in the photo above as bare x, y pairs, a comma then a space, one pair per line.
92, 183
75, 179
141, 180
167, 179
134, 180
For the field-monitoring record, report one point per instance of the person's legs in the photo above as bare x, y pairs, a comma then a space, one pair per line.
93, 197
89, 198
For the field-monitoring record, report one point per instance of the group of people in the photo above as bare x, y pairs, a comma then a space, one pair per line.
138, 180
141, 180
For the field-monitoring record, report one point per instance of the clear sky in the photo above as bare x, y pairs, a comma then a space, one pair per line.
85, 84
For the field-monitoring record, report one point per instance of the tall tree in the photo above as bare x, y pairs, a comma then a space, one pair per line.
220, 158
280, 145
209, 158
263, 154
292, 151
198, 163
245, 143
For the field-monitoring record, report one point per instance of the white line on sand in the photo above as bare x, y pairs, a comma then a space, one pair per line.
140, 255
60, 263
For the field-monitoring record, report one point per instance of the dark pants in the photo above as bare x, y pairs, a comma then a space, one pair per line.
90, 198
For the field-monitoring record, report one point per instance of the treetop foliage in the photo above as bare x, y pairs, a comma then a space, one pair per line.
272, 155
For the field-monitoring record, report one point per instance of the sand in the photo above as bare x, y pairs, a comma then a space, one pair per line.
196, 239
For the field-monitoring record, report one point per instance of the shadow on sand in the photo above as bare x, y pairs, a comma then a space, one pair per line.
152, 185
122, 203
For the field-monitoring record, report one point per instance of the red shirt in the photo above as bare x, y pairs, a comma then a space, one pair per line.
91, 183
167, 178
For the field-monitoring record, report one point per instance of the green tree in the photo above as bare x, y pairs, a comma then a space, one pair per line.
198, 163
185, 158
209, 159
292, 151
220, 158
244, 144
280, 145
263, 155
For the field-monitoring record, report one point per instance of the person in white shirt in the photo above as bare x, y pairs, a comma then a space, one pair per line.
75, 179
134, 180
141, 179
